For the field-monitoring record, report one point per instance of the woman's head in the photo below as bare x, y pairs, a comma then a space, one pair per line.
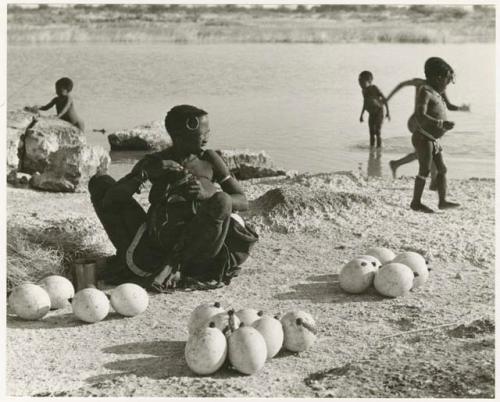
188, 126
438, 72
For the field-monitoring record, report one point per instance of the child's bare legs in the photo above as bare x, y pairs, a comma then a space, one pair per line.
375, 120
423, 148
441, 183
403, 161
433, 185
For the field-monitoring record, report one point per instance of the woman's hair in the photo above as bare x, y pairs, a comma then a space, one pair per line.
366, 76
65, 83
182, 117
436, 66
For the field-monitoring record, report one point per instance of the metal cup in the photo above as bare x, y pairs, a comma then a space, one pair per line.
85, 273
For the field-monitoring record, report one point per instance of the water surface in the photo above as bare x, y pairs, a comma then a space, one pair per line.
300, 103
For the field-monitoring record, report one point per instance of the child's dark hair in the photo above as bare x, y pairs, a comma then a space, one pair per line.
65, 83
436, 66
366, 76
181, 117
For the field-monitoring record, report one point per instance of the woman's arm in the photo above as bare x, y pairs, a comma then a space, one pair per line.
227, 182
127, 186
48, 105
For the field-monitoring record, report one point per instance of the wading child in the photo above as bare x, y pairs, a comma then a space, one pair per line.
373, 103
417, 83
427, 124
64, 104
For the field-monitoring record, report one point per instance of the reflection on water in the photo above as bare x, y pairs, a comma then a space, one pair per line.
374, 163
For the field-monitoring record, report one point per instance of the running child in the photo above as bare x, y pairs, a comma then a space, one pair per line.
64, 104
427, 124
417, 83
373, 103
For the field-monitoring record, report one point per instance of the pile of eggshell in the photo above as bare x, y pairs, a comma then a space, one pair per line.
392, 275
245, 338
32, 302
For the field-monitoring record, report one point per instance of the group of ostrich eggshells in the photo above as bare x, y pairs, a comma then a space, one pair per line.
33, 302
246, 338
392, 275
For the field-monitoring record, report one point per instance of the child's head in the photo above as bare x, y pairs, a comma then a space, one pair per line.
365, 79
64, 86
438, 72
188, 126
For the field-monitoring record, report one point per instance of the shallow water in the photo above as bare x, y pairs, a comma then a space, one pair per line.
301, 103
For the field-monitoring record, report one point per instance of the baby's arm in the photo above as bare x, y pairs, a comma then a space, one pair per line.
48, 105
414, 82
66, 107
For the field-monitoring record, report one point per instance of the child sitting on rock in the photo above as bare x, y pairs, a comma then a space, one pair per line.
373, 103
64, 104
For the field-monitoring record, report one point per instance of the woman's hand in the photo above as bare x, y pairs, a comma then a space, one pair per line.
157, 168
464, 107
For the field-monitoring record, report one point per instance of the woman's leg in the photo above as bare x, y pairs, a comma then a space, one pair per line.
120, 220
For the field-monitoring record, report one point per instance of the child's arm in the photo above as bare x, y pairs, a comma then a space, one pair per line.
414, 82
362, 111
384, 100
66, 107
48, 105
450, 106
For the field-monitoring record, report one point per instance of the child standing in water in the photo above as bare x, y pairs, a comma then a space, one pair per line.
373, 103
64, 103
427, 124
417, 83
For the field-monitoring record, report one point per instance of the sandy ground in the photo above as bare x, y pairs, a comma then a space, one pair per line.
309, 226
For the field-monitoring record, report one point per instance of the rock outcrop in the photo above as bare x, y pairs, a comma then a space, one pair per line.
246, 164
243, 164
146, 137
53, 151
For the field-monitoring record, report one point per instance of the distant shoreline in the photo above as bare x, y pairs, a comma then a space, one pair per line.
231, 24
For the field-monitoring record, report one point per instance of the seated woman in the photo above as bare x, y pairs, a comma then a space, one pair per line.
187, 237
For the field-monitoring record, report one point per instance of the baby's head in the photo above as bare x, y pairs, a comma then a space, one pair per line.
188, 127
365, 79
438, 72
64, 86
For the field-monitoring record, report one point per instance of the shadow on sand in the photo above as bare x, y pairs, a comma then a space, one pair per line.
326, 289
166, 360
53, 320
